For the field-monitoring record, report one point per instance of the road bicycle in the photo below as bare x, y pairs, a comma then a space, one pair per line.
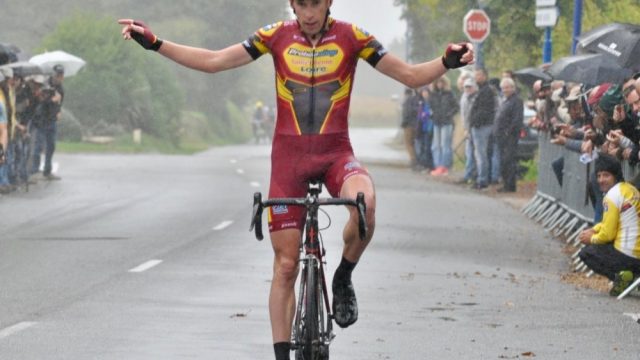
312, 330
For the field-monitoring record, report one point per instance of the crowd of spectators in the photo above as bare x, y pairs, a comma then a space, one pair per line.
600, 122
30, 107
492, 116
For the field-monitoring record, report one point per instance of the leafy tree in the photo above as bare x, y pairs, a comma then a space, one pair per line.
514, 42
117, 86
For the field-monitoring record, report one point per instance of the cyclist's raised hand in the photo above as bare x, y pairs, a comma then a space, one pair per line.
141, 33
458, 55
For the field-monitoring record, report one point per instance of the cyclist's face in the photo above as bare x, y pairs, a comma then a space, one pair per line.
311, 14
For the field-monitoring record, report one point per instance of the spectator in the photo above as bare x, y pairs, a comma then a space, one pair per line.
569, 135
8, 101
613, 245
409, 125
4, 136
45, 126
508, 123
424, 133
481, 118
443, 106
466, 101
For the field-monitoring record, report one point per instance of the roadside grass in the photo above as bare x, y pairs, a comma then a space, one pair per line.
126, 145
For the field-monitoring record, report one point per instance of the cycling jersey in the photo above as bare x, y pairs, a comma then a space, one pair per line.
314, 82
313, 85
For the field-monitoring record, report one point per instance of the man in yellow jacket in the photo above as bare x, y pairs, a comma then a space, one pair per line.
613, 245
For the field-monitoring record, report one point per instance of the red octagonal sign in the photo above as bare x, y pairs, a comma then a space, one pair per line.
476, 25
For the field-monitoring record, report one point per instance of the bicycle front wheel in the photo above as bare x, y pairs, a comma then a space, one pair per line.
310, 342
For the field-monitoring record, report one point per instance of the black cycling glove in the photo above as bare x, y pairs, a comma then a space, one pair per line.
452, 59
147, 39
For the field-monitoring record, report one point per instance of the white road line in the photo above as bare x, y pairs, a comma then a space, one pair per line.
233, 161
240, 171
146, 266
255, 184
6, 332
223, 225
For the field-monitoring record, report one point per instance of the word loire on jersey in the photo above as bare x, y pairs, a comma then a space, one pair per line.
314, 82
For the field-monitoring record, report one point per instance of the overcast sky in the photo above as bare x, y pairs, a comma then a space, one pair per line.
379, 17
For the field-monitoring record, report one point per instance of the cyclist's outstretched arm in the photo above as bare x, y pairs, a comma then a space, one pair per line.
210, 61
417, 75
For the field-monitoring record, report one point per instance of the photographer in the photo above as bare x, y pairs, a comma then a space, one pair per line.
45, 121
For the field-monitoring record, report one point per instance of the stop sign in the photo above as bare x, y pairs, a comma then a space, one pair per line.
476, 25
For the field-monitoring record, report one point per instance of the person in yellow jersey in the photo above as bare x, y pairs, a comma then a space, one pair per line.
613, 245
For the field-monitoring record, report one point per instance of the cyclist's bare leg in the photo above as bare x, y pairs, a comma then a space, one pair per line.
353, 246
285, 271
345, 306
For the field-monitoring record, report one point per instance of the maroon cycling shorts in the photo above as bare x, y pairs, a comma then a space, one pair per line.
296, 160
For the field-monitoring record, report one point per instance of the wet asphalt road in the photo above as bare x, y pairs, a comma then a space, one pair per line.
149, 257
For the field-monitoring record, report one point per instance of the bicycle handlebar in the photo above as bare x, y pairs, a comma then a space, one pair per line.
259, 205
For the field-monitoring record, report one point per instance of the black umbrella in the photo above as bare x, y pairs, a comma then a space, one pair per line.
619, 41
588, 69
8, 53
530, 75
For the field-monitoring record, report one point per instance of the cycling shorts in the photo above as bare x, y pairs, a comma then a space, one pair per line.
296, 160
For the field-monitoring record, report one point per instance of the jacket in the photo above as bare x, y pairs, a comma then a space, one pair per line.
483, 110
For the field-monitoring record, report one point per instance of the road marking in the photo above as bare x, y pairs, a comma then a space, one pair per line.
223, 225
146, 266
6, 332
240, 171
255, 184
233, 161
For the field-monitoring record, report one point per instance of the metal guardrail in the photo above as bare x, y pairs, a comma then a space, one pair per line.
564, 210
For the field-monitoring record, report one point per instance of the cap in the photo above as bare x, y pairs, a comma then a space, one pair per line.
58, 69
38, 79
546, 84
610, 164
574, 94
610, 99
597, 92
470, 83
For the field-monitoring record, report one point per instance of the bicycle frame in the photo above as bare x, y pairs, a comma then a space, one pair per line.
312, 329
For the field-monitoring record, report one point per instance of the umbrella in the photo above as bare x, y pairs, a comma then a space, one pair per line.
530, 75
72, 64
8, 53
25, 68
588, 69
619, 41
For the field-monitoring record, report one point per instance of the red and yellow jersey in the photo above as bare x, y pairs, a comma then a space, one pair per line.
314, 83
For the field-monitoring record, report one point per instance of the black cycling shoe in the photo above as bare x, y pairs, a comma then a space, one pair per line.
345, 306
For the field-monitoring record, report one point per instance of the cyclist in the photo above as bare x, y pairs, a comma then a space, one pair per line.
315, 58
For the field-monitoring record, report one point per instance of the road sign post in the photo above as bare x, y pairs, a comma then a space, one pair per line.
547, 14
477, 26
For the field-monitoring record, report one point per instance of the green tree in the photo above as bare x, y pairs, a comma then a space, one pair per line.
117, 86
514, 42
